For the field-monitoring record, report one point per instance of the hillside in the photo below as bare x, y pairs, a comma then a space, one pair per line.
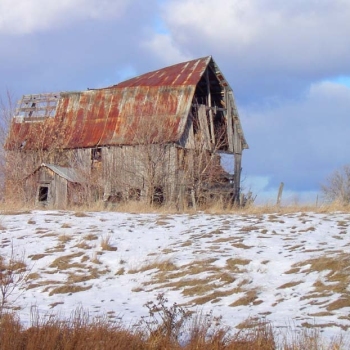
292, 269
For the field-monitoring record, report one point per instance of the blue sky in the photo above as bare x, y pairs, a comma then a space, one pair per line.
287, 62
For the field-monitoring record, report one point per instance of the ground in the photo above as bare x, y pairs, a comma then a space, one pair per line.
290, 269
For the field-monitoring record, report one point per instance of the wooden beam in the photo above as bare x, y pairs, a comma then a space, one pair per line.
229, 121
204, 129
212, 108
237, 178
211, 119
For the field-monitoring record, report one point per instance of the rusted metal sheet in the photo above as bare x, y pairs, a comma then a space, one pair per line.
114, 116
158, 102
186, 73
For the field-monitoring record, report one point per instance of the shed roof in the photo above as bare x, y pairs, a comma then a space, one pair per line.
67, 173
158, 102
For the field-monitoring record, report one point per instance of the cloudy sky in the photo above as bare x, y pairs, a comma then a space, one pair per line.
288, 63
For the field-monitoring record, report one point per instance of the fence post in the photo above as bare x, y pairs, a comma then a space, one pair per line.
279, 196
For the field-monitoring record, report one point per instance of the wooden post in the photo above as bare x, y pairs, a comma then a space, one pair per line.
181, 197
211, 119
237, 178
229, 121
279, 196
237, 147
193, 197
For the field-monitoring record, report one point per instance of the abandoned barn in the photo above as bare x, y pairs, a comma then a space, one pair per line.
156, 138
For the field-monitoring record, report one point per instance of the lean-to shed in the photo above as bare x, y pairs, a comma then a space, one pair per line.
156, 137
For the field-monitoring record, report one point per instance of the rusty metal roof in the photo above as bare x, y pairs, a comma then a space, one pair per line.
155, 104
186, 73
117, 116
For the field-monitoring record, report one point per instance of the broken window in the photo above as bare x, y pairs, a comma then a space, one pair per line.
96, 154
43, 193
34, 108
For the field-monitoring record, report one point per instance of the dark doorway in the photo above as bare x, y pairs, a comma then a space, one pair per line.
158, 195
43, 193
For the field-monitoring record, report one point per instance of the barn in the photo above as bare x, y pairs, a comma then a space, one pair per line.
156, 138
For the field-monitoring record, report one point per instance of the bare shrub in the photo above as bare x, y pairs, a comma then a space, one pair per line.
13, 274
337, 186
164, 324
6, 112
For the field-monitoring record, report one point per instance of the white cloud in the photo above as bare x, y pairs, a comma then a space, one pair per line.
299, 141
329, 90
162, 46
233, 19
27, 16
295, 37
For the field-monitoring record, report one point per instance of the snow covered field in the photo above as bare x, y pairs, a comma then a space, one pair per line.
292, 269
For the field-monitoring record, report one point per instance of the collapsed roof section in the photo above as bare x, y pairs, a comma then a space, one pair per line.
110, 116
36, 107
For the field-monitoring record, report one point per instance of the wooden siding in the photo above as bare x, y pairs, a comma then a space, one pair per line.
138, 167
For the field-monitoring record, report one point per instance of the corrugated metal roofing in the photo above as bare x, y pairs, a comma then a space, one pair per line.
67, 173
159, 101
186, 73
108, 117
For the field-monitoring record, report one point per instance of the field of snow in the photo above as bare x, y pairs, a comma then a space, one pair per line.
292, 269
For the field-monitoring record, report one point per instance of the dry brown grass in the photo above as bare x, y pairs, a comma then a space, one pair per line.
339, 304
80, 214
66, 225
249, 298
338, 266
336, 269
234, 264
95, 258
37, 256
68, 289
105, 243
289, 285
17, 208
14, 212
83, 245
90, 237
64, 262
162, 265
63, 238
168, 331
215, 296
120, 272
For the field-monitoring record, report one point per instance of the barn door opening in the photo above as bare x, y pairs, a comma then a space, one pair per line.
43, 195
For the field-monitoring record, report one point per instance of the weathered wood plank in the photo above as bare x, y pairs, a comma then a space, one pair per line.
203, 123
229, 122
211, 119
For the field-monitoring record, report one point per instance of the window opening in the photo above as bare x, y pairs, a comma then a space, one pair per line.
96, 154
35, 108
